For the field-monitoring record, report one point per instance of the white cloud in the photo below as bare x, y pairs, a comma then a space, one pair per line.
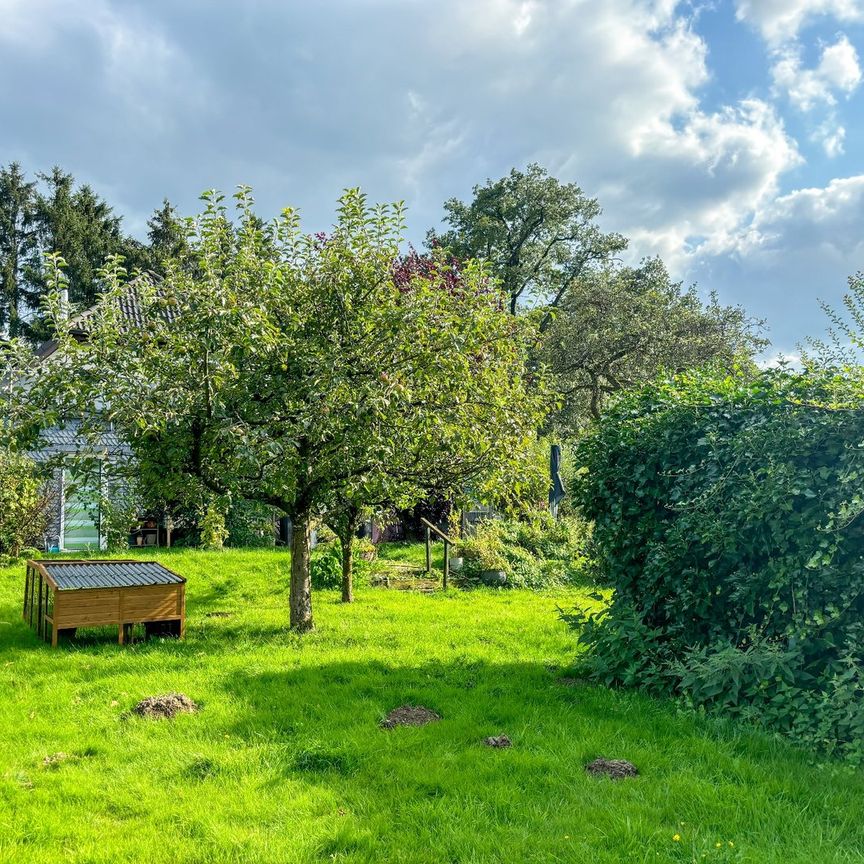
414, 100
799, 249
831, 135
614, 98
825, 220
781, 21
838, 71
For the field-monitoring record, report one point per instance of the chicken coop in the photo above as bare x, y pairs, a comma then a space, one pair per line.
61, 597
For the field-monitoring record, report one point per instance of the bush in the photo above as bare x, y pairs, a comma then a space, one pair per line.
25, 502
534, 552
728, 523
326, 563
250, 525
212, 528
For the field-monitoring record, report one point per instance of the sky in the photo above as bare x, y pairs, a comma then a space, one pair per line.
724, 136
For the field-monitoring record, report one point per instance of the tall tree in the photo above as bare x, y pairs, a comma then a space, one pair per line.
295, 370
19, 249
620, 326
540, 236
166, 235
80, 226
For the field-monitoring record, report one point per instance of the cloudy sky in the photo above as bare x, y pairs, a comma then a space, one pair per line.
725, 136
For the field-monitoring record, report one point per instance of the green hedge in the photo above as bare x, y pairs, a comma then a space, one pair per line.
728, 522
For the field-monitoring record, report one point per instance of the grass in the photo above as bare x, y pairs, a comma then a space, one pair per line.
286, 762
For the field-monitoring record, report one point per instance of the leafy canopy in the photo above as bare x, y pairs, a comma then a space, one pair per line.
619, 327
540, 236
293, 369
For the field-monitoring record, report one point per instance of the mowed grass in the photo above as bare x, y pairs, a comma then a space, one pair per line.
286, 761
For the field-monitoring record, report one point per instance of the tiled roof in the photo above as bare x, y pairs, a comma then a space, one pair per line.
130, 306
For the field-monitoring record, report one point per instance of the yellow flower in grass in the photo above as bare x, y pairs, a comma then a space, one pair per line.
676, 838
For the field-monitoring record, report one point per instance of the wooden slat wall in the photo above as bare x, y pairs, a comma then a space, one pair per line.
117, 605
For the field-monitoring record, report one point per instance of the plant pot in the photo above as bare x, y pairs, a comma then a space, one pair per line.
493, 577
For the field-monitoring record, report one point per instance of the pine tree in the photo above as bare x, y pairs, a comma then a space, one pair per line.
19, 249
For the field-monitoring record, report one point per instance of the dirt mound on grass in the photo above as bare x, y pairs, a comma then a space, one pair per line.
616, 769
498, 741
169, 705
54, 760
409, 715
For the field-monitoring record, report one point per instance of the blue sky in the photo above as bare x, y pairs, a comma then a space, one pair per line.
724, 136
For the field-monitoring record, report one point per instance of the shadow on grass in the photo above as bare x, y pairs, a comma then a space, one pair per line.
544, 712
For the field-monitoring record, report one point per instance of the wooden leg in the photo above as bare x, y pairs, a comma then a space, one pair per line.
53, 635
121, 634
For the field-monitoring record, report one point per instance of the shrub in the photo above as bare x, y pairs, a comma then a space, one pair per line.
212, 526
119, 509
533, 552
250, 525
326, 563
25, 502
728, 523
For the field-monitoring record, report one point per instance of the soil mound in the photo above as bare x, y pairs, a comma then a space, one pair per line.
169, 705
616, 769
409, 715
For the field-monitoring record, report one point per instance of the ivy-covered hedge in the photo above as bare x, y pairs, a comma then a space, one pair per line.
728, 521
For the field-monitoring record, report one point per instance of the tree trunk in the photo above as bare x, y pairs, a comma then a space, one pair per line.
347, 541
301, 580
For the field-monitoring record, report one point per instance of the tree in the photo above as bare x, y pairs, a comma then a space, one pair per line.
53, 216
843, 345
540, 236
19, 250
620, 326
293, 370
80, 226
166, 233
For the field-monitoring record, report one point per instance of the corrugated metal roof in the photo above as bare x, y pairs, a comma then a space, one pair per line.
71, 575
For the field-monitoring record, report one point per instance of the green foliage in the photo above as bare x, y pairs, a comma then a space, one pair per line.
212, 526
326, 564
24, 504
19, 248
119, 509
533, 552
539, 235
621, 326
728, 523
250, 525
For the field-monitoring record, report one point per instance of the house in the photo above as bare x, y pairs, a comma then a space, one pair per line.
75, 521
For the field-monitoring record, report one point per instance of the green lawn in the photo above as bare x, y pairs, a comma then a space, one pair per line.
286, 762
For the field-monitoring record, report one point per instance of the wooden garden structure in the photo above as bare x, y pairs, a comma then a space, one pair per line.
448, 542
65, 595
